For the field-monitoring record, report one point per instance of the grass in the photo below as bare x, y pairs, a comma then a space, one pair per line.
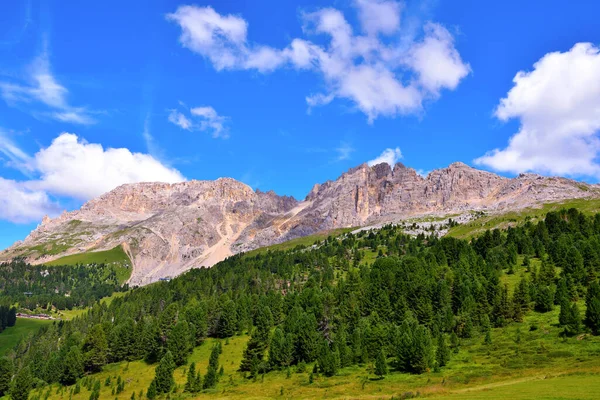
10, 337
512, 218
539, 365
115, 257
302, 241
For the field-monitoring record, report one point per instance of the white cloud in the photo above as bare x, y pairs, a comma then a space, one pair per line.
21, 205
42, 87
203, 118
344, 151
180, 120
378, 72
389, 156
558, 107
379, 16
72, 167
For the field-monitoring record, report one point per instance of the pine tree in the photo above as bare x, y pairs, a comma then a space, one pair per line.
228, 320
544, 299
259, 341
22, 385
6, 372
190, 384
95, 349
152, 341
592, 311
442, 352
211, 377
520, 300
164, 374
72, 366
179, 342
381, 368
151, 392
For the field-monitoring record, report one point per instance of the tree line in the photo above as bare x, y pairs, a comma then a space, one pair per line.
326, 306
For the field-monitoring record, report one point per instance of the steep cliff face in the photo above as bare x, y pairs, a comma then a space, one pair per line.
169, 228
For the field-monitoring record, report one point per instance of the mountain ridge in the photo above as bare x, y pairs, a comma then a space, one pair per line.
169, 228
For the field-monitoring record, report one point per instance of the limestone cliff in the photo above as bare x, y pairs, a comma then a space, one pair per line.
169, 228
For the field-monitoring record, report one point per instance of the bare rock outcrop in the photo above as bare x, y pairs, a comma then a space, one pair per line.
169, 228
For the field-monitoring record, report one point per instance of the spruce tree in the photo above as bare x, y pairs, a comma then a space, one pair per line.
190, 384
164, 374
381, 368
592, 311
95, 349
6, 372
211, 377
151, 392
22, 385
442, 352
259, 341
179, 342
72, 366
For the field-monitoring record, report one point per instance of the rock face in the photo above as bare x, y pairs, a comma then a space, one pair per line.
169, 228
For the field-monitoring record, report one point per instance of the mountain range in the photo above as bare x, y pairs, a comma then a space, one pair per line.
167, 229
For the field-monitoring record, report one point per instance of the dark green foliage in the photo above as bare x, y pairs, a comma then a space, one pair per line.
180, 342
329, 360
592, 311
73, 366
442, 352
420, 288
570, 318
381, 368
255, 349
211, 377
6, 372
164, 374
21, 385
151, 393
85, 284
8, 315
95, 349
414, 350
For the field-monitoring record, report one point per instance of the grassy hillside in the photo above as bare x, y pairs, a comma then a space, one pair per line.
503, 221
11, 336
302, 241
115, 257
541, 365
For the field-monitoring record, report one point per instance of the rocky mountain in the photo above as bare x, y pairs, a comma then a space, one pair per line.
169, 228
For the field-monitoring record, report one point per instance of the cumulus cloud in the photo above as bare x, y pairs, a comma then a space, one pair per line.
203, 118
72, 167
558, 107
389, 156
42, 87
21, 205
376, 70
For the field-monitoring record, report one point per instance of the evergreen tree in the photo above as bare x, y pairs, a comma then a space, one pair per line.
164, 374
280, 350
228, 320
442, 352
592, 311
259, 341
179, 342
211, 377
381, 368
95, 349
328, 361
152, 340
22, 385
72, 366
6, 372
520, 300
151, 392
413, 347
190, 384
544, 299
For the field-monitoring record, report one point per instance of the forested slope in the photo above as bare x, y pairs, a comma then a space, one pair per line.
375, 303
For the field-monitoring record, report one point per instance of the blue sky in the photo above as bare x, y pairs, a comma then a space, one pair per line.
281, 95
